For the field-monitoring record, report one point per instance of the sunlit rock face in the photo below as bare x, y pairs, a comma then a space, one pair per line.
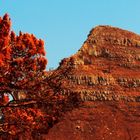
105, 74
106, 68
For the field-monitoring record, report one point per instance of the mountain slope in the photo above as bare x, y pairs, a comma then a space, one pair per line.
105, 76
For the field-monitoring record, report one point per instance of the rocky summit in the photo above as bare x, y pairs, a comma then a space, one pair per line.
105, 76
106, 68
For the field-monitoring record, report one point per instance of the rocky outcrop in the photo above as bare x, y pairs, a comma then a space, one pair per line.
108, 61
105, 72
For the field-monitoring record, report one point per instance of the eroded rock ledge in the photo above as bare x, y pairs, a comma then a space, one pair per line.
108, 62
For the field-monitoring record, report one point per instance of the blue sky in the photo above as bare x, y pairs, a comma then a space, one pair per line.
65, 24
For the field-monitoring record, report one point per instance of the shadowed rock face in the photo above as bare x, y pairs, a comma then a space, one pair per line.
93, 94
105, 72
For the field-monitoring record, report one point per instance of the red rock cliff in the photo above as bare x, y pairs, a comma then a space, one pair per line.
105, 74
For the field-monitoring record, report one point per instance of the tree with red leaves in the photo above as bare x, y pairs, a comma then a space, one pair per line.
22, 66
5, 50
22, 58
22, 63
28, 59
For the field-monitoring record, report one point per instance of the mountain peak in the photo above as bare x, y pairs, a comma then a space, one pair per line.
109, 52
108, 42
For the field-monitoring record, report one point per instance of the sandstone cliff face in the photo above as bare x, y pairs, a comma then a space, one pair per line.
105, 74
106, 67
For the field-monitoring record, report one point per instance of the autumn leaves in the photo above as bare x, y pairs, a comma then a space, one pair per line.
22, 57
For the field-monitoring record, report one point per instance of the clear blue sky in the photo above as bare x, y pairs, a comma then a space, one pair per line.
65, 24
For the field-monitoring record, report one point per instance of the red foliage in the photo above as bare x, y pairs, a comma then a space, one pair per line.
24, 119
22, 61
27, 58
5, 25
4, 99
22, 66
22, 58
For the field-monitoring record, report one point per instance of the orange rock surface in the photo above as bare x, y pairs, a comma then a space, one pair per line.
105, 75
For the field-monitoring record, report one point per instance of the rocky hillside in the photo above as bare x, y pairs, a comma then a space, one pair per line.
106, 68
105, 75
94, 94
